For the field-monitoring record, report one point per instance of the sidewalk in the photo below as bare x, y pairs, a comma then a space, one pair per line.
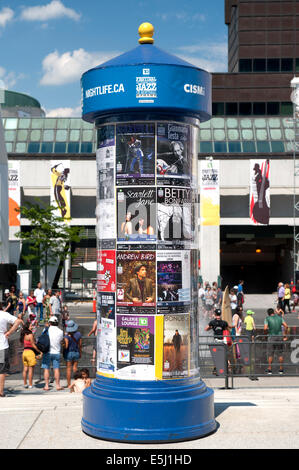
254, 415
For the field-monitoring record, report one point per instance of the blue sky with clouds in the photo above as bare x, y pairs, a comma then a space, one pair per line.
46, 45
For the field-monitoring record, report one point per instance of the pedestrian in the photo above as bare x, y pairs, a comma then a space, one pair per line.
219, 297
30, 353
280, 295
33, 322
6, 320
11, 301
79, 384
209, 301
53, 356
273, 326
39, 294
21, 306
46, 304
55, 305
237, 322
217, 325
94, 331
249, 325
72, 349
85, 376
287, 298
233, 299
240, 286
31, 303
65, 316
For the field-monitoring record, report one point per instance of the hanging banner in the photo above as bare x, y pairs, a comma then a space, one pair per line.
209, 192
259, 207
14, 193
60, 187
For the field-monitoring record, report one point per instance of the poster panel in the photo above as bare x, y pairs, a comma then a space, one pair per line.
173, 281
106, 273
176, 347
174, 217
136, 214
14, 193
209, 193
259, 205
106, 305
135, 347
60, 187
106, 346
136, 281
135, 154
173, 154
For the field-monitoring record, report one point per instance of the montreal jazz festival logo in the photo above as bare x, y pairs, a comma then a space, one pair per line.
146, 87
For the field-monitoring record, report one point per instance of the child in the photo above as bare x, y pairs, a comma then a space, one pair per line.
85, 376
249, 324
79, 383
65, 317
33, 322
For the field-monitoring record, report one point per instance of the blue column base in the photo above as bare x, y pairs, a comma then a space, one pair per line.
148, 411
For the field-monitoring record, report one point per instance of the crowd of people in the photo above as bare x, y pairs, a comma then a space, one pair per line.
24, 315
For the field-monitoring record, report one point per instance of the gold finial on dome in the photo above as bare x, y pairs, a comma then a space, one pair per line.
146, 32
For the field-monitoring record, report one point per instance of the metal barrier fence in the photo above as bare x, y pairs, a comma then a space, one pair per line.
244, 358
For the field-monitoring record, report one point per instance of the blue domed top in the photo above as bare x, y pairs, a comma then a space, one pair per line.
146, 79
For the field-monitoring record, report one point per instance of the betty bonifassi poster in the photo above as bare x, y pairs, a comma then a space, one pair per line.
135, 154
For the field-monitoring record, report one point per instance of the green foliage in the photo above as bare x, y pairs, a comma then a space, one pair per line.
50, 236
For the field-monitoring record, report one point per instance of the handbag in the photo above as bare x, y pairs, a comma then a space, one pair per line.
227, 338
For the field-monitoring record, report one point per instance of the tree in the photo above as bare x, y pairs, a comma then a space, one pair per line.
49, 237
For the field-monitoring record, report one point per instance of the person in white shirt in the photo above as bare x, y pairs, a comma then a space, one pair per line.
55, 305
6, 319
53, 356
39, 293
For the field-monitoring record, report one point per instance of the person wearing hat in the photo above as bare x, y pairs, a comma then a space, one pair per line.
52, 357
72, 349
249, 324
140, 288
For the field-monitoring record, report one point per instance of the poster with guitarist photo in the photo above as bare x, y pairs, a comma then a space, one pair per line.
259, 205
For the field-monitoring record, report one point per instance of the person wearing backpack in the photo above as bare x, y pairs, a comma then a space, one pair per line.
52, 357
72, 349
217, 325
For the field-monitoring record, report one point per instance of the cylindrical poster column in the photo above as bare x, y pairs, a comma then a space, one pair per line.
147, 106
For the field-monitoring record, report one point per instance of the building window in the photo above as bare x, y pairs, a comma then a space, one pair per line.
33, 147
220, 147
245, 65
263, 146
248, 147
273, 65
297, 65
259, 65
286, 108
244, 109
259, 109
287, 65
47, 147
273, 108
73, 147
231, 109
60, 147
277, 147
218, 109
206, 147
86, 147
234, 147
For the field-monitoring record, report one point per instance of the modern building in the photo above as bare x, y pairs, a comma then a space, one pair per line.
252, 120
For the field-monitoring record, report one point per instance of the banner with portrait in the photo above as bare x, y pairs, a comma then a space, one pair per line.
14, 193
60, 192
259, 202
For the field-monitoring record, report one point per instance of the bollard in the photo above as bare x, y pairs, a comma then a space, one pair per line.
147, 106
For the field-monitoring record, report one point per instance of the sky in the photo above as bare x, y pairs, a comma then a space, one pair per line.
46, 45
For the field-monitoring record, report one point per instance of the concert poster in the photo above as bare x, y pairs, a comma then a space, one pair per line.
106, 346
136, 282
176, 346
136, 214
106, 305
106, 281
174, 217
135, 347
105, 223
135, 154
259, 206
173, 154
173, 281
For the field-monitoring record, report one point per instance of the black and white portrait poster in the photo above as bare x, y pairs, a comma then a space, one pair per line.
173, 281
173, 154
259, 206
174, 216
135, 154
136, 214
